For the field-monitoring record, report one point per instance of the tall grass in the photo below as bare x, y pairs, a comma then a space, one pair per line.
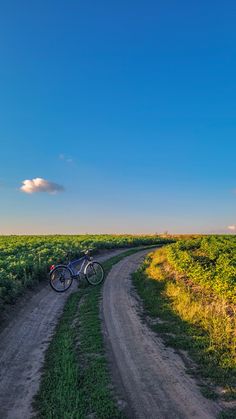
209, 321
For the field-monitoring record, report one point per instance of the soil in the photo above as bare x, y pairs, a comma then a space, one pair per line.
25, 335
149, 378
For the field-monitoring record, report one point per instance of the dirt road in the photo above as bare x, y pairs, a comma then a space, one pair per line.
22, 347
150, 377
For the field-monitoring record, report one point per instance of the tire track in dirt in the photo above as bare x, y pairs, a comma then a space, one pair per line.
22, 348
150, 377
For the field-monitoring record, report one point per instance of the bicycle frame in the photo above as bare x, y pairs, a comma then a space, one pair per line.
84, 260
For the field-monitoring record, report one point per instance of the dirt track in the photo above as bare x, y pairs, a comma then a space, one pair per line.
22, 347
148, 376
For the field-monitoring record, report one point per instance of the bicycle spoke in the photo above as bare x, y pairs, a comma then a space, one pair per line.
61, 279
94, 273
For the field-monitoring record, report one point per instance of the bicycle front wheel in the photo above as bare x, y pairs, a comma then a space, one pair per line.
61, 278
94, 273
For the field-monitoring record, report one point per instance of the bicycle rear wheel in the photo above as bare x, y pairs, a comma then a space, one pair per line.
61, 278
94, 273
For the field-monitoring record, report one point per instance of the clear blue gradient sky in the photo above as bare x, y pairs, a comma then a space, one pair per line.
141, 95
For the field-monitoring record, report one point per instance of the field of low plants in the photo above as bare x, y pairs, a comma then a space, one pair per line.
25, 260
209, 262
190, 286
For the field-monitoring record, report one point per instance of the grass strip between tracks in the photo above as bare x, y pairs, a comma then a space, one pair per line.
76, 381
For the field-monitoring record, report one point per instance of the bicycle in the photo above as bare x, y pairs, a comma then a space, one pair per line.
62, 276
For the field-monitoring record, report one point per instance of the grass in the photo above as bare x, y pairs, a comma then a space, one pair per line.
76, 382
228, 414
187, 323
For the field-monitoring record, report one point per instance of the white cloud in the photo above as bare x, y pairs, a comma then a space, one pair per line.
232, 228
65, 158
40, 185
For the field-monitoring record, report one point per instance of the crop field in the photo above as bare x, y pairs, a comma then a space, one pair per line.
188, 287
25, 260
191, 286
209, 262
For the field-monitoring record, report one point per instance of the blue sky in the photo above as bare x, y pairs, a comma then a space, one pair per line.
129, 105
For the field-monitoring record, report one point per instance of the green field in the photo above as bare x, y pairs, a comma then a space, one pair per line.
209, 262
24, 260
191, 287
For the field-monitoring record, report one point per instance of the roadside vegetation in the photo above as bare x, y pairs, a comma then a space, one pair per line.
189, 290
25, 260
76, 381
